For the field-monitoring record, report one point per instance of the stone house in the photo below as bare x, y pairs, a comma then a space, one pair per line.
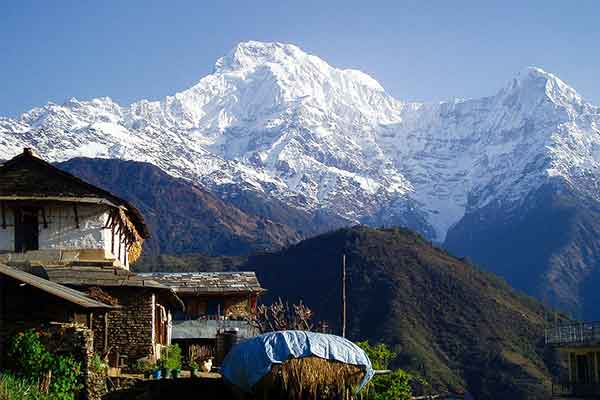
80, 239
215, 302
30, 302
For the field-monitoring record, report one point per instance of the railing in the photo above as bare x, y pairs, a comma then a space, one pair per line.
575, 389
208, 328
578, 333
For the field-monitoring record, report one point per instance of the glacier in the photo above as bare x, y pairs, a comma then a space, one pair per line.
277, 120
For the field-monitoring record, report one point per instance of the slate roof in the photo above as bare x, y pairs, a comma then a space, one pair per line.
105, 277
208, 282
28, 177
99, 276
55, 289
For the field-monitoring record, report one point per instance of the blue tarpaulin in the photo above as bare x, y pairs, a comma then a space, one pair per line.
252, 359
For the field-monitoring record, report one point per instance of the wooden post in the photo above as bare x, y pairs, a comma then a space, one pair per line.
344, 295
2, 316
105, 332
3, 215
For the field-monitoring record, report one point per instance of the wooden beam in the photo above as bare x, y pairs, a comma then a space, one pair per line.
44, 218
112, 239
76, 216
2, 316
3, 215
105, 332
109, 220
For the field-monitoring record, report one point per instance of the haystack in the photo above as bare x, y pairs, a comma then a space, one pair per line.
298, 365
310, 378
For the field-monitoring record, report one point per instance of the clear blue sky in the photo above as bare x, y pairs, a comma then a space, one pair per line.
421, 50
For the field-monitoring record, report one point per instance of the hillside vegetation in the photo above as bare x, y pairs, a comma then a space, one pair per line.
448, 321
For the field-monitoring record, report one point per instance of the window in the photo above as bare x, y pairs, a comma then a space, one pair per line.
215, 306
26, 229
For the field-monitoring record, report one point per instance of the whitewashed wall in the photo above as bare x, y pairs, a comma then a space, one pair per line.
62, 232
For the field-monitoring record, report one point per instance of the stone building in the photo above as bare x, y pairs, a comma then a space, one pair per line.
215, 302
80, 240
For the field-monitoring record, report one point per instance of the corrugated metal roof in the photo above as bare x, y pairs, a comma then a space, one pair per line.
208, 282
53, 288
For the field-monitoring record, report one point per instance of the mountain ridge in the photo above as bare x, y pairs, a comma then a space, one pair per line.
269, 104
458, 327
275, 123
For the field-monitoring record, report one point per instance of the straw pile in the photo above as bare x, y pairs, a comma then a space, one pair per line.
310, 378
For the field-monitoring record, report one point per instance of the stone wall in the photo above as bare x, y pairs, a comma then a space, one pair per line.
78, 342
129, 330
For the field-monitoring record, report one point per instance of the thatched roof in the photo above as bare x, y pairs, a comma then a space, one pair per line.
28, 177
208, 282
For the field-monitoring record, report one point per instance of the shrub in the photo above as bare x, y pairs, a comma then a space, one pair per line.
28, 355
394, 386
171, 357
143, 365
96, 364
65, 378
31, 360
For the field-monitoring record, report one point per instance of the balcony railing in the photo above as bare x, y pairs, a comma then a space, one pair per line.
577, 333
576, 389
207, 328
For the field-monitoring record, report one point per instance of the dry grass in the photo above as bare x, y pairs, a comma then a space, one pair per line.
310, 378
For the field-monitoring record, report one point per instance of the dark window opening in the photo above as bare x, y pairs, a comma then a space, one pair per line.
215, 306
583, 375
26, 229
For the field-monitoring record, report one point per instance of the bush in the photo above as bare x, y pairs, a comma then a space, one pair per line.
394, 386
171, 357
97, 365
28, 355
65, 377
30, 360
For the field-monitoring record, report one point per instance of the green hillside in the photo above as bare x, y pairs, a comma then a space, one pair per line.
453, 324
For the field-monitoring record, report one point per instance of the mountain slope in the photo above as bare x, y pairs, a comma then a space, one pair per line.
549, 247
182, 217
285, 123
454, 324
274, 129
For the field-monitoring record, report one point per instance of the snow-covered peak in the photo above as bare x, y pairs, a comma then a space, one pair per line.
539, 85
276, 119
248, 55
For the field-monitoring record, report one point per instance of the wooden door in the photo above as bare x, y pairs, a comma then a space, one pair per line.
26, 229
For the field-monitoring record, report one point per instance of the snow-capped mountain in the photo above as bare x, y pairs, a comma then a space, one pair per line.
274, 119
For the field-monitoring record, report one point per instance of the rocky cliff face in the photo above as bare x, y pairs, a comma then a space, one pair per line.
275, 123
